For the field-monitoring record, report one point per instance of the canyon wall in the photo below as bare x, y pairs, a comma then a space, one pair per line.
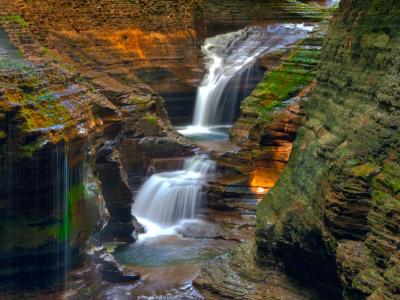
157, 41
50, 201
62, 176
333, 217
76, 117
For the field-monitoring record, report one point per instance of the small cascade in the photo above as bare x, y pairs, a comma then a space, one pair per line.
169, 197
333, 3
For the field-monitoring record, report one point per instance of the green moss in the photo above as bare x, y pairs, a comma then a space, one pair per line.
28, 150
389, 178
365, 170
283, 82
138, 100
12, 64
15, 19
151, 119
368, 281
392, 278
20, 228
76, 193
40, 232
352, 162
378, 40
41, 110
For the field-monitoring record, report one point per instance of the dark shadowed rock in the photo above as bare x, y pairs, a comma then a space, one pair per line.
117, 194
110, 270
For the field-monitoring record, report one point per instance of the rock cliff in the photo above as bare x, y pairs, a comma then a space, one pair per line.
60, 139
333, 217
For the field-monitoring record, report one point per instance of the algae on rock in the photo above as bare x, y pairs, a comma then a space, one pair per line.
339, 194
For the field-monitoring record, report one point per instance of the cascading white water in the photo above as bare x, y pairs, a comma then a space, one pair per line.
229, 58
333, 2
169, 197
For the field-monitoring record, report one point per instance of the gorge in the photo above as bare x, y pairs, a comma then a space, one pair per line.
199, 149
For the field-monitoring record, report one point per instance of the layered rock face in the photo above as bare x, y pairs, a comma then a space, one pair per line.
50, 201
333, 217
126, 38
263, 135
241, 13
106, 14
55, 130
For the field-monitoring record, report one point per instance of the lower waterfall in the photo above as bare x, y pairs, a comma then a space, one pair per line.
169, 197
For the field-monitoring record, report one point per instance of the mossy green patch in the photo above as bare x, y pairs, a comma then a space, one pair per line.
20, 228
389, 178
151, 119
41, 110
365, 170
76, 193
28, 150
378, 40
12, 64
14, 19
283, 82
353, 162
368, 281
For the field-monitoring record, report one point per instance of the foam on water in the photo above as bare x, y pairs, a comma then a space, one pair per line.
165, 199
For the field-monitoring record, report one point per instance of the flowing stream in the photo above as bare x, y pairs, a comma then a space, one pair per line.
167, 206
176, 240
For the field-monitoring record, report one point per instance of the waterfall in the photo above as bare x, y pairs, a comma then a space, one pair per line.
229, 61
333, 3
169, 197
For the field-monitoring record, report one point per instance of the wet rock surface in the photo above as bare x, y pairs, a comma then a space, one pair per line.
110, 270
72, 128
334, 205
261, 141
237, 276
334, 210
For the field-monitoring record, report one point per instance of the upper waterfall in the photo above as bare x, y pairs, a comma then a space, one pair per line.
229, 60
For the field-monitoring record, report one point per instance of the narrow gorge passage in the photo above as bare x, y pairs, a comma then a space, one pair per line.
199, 149
173, 206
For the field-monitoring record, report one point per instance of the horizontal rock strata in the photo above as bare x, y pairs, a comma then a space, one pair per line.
334, 212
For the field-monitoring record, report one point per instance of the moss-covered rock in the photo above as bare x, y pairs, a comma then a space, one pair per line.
294, 73
339, 195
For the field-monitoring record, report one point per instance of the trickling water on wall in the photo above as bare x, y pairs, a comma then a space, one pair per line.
166, 198
230, 58
34, 218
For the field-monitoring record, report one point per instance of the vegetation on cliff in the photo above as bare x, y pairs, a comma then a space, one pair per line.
336, 205
296, 71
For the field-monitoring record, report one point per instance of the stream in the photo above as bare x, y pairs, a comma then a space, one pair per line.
172, 205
